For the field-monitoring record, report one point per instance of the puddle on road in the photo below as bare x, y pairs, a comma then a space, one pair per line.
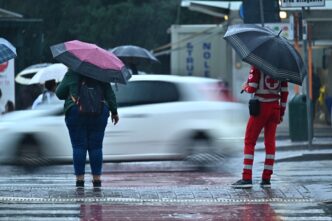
184, 216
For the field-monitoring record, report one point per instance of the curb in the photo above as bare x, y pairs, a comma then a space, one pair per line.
307, 157
299, 147
219, 201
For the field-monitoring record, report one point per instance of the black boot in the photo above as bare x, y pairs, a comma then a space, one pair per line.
96, 183
266, 183
80, 183
242, 184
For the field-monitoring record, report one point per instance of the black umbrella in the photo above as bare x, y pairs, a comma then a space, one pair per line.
268, 51
133, 55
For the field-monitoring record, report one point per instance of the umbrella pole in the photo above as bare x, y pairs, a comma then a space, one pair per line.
310, 81
296, 44
133, 69
261, 8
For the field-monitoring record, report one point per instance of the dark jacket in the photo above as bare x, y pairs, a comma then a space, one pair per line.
69, 87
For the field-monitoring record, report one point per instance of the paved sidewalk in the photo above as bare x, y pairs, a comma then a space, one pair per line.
320, 149
288, 144
319, 131
322, 139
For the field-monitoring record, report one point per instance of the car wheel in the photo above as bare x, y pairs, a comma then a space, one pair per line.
201, 152
29, 153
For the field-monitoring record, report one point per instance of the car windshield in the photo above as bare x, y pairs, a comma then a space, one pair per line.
146, 92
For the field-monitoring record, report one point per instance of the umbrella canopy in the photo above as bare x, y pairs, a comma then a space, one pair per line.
268, 51
132, 54
91, 61
25, 76
7, 50
53, 72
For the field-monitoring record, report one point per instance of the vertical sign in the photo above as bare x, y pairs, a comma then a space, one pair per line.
190, 59
206, 58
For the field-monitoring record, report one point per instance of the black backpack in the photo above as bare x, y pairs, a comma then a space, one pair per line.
90, 96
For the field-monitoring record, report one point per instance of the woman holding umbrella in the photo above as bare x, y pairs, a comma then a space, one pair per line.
86, 131
91, 69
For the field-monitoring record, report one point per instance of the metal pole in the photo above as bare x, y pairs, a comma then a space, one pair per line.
296, 43
261, 8
305, 47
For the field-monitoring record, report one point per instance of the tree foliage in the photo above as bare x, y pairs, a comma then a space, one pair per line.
107, 23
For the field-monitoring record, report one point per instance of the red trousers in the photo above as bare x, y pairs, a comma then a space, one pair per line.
268, 119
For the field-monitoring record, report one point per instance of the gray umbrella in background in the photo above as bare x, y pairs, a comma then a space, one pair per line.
7, 50
133, 56
268, 51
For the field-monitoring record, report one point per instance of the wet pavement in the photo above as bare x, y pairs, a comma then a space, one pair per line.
167, 191
301, 190
247, 212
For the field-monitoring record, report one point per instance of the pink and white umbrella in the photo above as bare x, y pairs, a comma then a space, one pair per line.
52, 72
91, 61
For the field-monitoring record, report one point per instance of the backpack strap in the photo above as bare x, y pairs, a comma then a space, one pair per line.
74, 99
80, 82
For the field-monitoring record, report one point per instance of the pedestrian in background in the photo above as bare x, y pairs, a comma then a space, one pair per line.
86, 131
268, 91
2, 106
47, 96
9, 106
316, 85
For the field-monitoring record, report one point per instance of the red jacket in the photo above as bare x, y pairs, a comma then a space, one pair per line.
267, 89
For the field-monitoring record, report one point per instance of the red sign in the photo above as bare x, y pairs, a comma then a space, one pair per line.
3, 66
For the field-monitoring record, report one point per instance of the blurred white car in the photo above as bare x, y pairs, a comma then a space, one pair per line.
162, 117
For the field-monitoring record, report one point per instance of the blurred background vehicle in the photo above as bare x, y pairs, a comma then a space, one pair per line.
162, 117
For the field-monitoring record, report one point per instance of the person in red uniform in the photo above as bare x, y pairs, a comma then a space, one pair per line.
272, 95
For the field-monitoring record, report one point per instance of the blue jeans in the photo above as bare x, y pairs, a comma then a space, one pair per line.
86, 135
